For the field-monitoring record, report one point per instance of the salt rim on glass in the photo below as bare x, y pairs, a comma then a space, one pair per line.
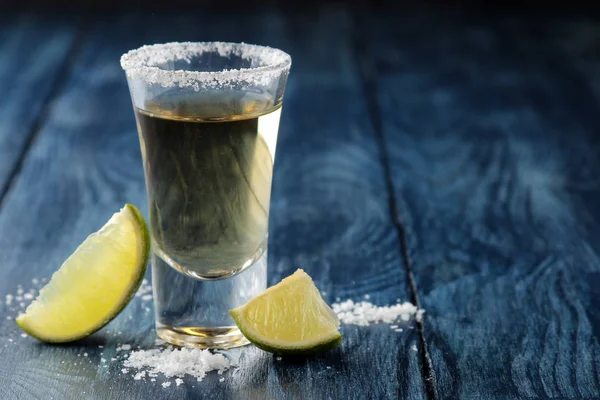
144, 63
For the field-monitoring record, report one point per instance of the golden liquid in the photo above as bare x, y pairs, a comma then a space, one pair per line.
208, 162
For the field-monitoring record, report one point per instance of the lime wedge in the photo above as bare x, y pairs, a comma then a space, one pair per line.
290, 318
94, 284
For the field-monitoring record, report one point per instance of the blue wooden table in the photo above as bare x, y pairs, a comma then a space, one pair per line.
447, 159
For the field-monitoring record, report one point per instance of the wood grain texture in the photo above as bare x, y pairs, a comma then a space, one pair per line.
329, 216
33, 53
492, 135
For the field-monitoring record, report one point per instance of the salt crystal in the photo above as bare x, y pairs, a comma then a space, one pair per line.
28, 296
103, 360
9, 299
398, 330
166, 384
147, 297
10, 340
23, 335
85, 354
126, 347
20, 290
367, 296
178, 381
419, 316
393, 326
222, 380
414, 347
22, 304
139, 375
328, 367
19, 298
175, 362
124, 370
9, 318
278, 358
100, 346
35, 281
152, 380
147, 309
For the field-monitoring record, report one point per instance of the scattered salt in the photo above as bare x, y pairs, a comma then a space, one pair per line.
28, 296
103, 360
152, 380
124, 370
126, 347
8, 299
23, 335
9, 318
35, 281
414, 347
367, 296
178, 381
278, 358
100, 346
393, 326
166, 384
19, 298
173, 362
419, 316
398, 330
364, 313
20, 291
85, 354
222, 380
146, 297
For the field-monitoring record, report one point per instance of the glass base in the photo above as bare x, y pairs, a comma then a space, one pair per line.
203, 338
195, 313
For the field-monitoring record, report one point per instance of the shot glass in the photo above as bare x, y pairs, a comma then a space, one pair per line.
207, 116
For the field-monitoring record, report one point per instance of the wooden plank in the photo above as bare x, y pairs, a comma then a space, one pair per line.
329, 216
491, 131
33, 52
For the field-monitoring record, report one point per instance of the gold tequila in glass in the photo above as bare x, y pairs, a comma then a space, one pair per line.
207, 116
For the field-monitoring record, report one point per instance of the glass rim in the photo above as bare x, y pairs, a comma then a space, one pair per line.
143, 63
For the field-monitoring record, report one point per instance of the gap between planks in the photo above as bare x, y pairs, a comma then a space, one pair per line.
58, 85
368, 75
